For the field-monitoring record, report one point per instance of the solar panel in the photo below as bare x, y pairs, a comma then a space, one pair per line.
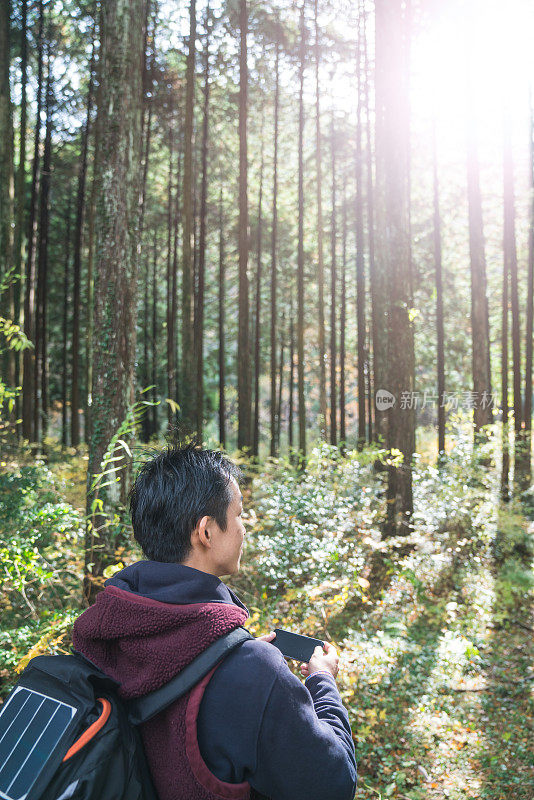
31, 725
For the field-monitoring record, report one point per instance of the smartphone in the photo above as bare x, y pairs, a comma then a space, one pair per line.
293, 645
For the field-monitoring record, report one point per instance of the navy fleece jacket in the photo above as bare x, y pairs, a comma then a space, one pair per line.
257, 721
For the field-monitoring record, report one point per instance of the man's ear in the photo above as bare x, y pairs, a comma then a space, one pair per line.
201, 533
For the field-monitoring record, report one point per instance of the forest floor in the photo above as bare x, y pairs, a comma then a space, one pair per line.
437, 648
436, 633
440, 689
440, 685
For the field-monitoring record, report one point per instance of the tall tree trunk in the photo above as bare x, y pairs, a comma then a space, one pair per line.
146, 159
171, 319
274, 243
439, 300
369, 387
291, 377
188, 356
174, 283
145, 421
280, 382
375, 333
360, 263
90, 283
479, 303
149, 419
148, 104
21, 186
333, 296
222, 354
393, 252
407, 27
510, 255
29, 355
300, 257
195, 255
527, 410
343, 321
65, 326
154, 339
505, 471
41, 337
320, 254
244, 432
117, 209
199, 318
78, 233
6, 180
257, 332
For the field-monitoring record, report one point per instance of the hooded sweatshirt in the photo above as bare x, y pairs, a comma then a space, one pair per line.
250, 727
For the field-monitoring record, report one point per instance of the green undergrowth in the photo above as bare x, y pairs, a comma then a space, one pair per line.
41, 540
435, 630
436, 658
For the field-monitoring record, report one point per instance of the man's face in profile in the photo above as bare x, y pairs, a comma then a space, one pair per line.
228, 544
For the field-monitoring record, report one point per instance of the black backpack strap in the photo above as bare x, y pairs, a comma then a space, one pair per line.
141, 709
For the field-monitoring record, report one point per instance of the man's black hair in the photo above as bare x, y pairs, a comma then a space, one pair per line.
172, 492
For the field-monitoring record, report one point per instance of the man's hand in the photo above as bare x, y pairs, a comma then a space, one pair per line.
323, 660
267, 637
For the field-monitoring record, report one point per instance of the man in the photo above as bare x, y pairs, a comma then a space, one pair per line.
250, 728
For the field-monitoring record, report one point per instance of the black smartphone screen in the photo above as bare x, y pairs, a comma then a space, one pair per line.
293, 645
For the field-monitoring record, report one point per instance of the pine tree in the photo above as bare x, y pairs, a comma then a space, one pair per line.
244, 431
117, 207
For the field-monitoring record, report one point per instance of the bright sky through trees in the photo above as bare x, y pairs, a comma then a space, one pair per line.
490, 40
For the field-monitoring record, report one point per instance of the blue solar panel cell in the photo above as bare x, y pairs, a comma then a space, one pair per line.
31, 725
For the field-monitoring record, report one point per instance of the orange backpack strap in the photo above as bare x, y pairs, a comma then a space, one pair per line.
92, 730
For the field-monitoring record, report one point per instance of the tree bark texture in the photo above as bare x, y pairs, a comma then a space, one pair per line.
199, 318
244, 399
360, 262
257, 331
41, 324
65, 329
510, 256
154, 339
343, 321
29, 355
479, 303
320, 235
188, 355
6, 181
505, 469
393, 256
116, 228
20, 193
280, 381
291, 403
333, 294
527, 410
222, 349
300, 256
438, 267
375, 333
78, 231
274, 234
170, 317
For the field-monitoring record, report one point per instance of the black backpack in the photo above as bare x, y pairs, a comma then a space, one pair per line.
65, 733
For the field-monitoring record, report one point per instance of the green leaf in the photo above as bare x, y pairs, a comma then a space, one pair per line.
111, 569
125, 446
